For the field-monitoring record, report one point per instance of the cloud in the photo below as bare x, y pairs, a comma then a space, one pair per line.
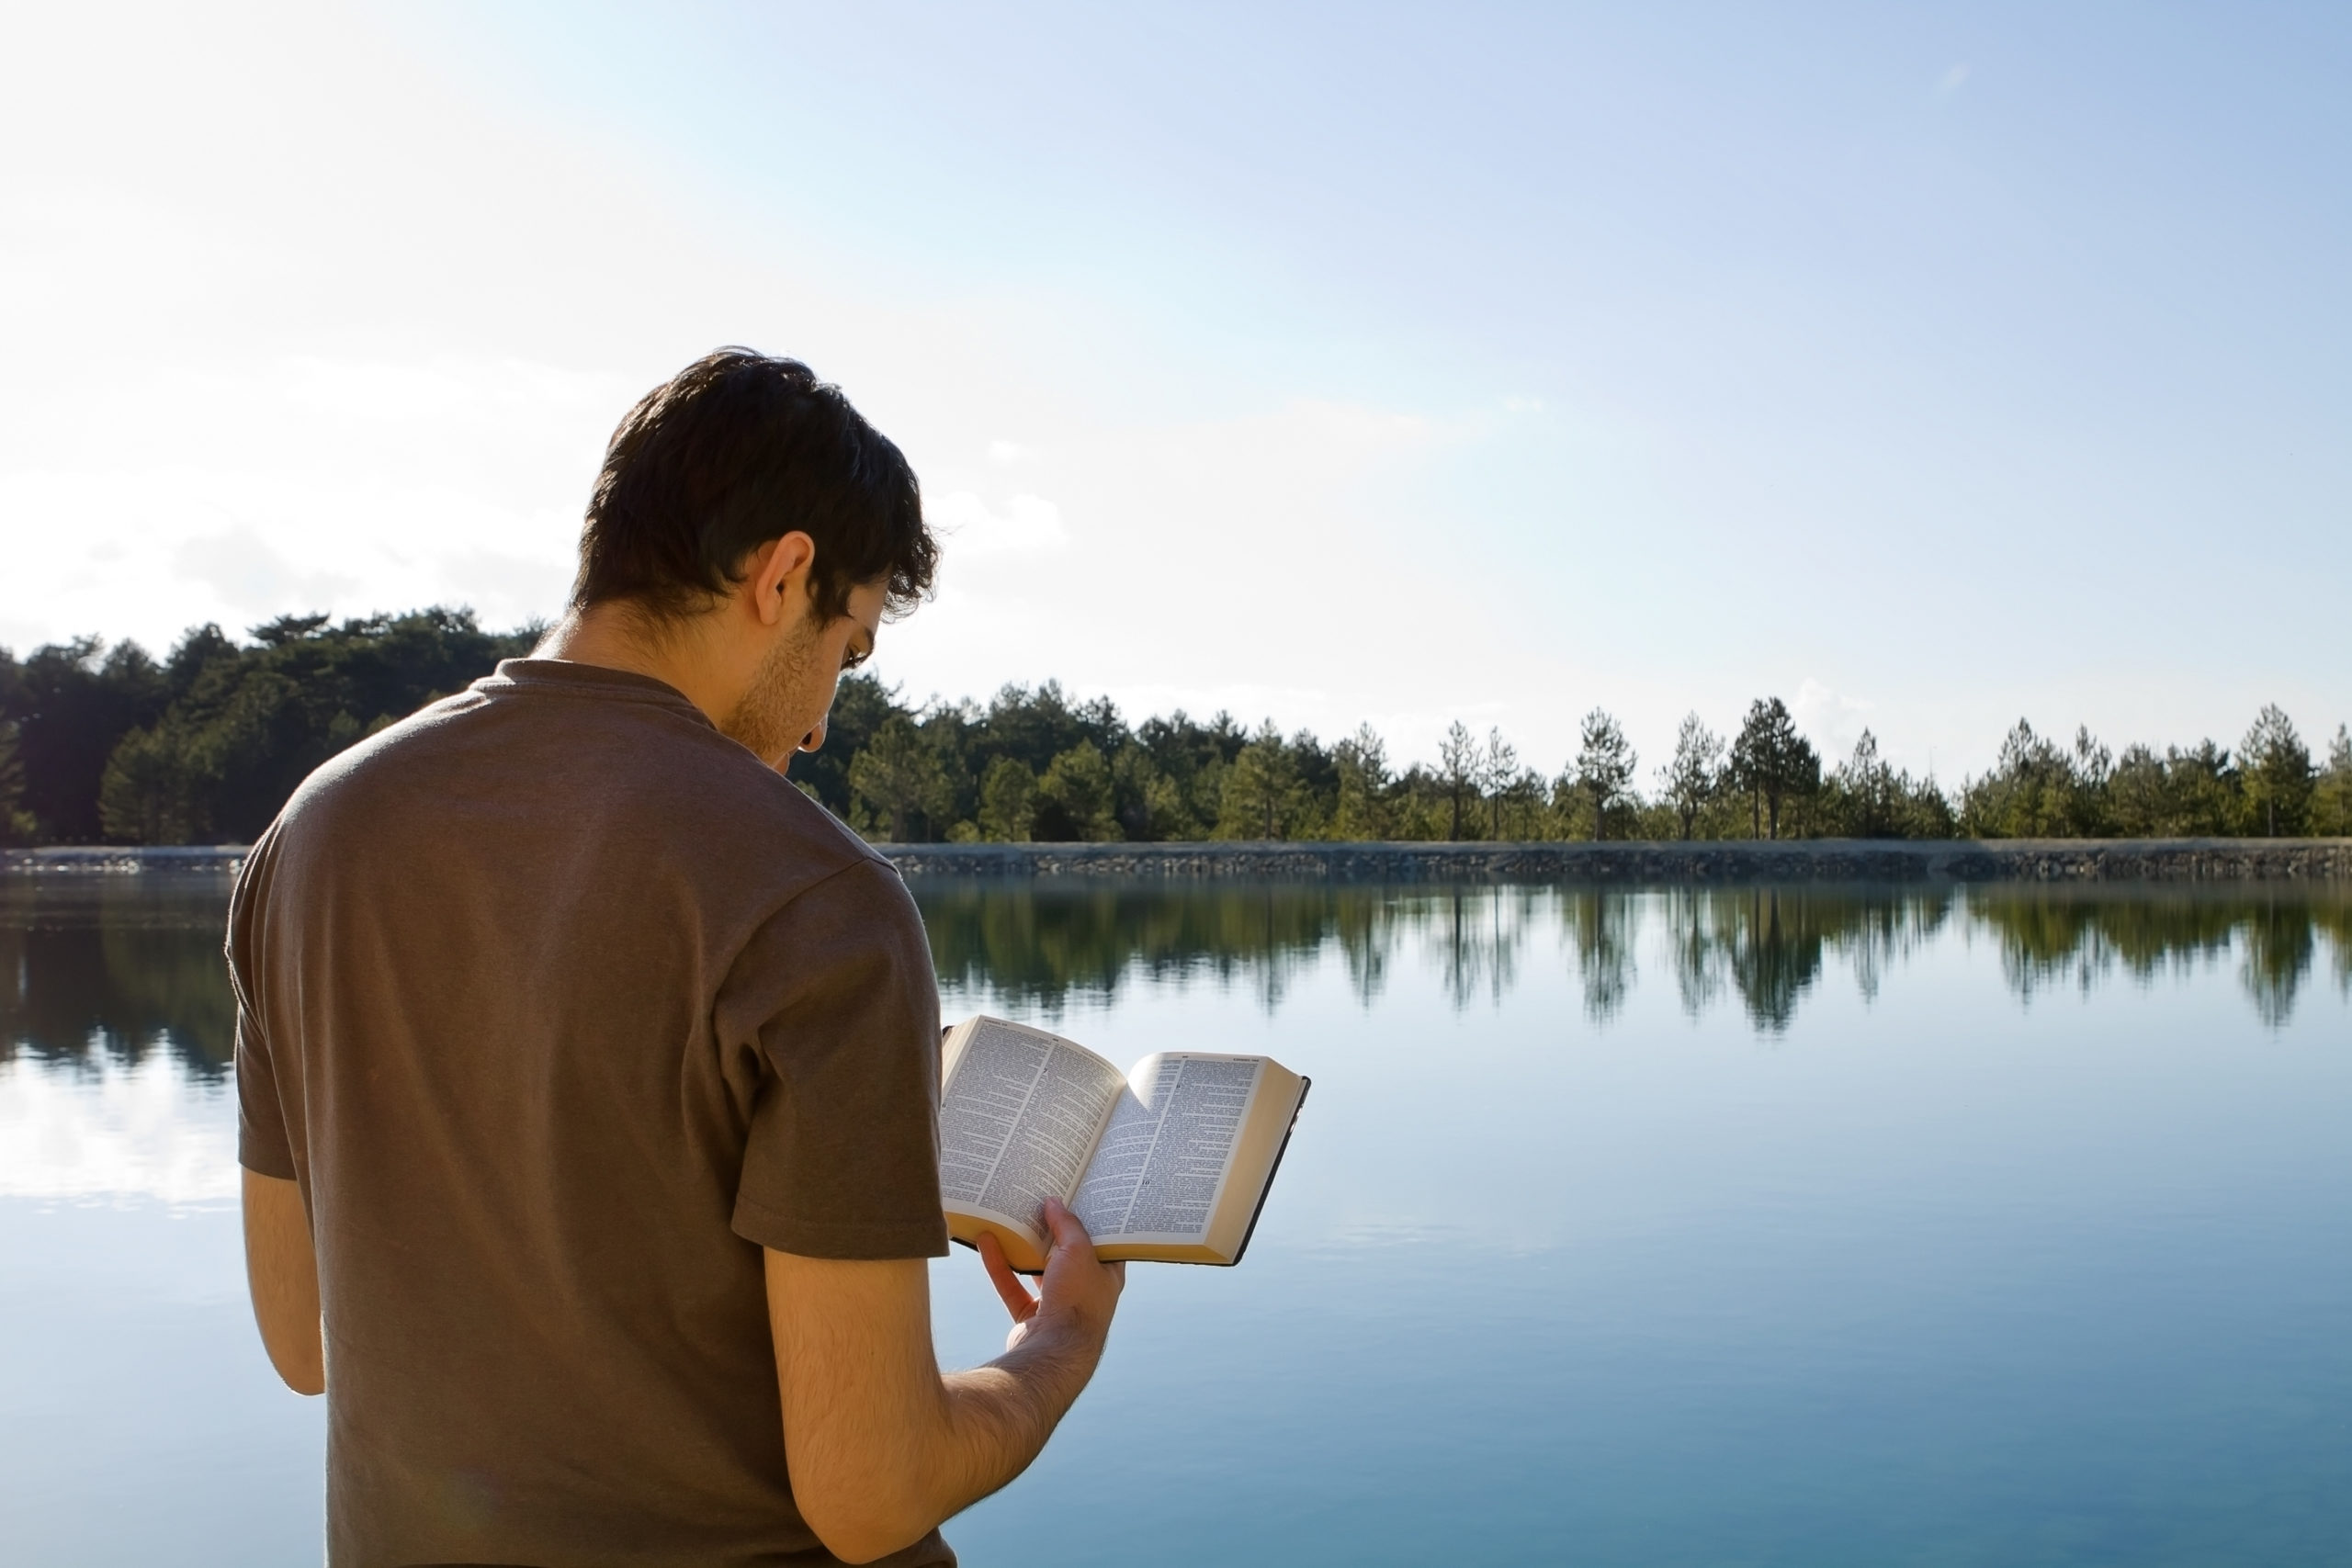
252, 579
1950, 84
1261, 563
970, 527
495, 394
1833, 720
302, 482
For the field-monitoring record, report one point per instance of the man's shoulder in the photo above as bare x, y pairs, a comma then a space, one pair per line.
394, 765
639, 774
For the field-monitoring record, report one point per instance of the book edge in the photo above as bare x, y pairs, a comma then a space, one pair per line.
1304, 1084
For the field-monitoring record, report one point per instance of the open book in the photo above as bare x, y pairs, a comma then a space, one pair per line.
1166, 1164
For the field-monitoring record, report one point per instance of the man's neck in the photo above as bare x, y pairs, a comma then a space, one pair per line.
613, 637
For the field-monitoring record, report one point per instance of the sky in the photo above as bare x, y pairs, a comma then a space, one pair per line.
1927, 367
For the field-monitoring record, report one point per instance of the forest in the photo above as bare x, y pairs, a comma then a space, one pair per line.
104, 743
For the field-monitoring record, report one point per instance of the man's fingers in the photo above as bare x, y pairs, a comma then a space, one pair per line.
1010, 1287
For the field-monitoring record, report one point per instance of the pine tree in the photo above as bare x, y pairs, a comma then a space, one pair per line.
2276, 768
1604, 767
1259, 789
1771, 762
1498, 773
2332, 796
1690, 779
1458, 759
898, 776
1008, 801
1362, 810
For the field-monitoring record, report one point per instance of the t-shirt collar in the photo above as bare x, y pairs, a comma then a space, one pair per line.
565, 677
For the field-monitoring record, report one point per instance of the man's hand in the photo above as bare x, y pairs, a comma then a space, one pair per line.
881, 1446
1078, 1294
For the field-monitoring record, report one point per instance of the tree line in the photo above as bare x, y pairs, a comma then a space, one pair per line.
105, 743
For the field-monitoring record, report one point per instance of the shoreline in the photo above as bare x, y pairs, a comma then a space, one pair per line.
1717, 861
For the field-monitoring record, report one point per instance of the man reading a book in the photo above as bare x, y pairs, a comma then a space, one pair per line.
588, 1070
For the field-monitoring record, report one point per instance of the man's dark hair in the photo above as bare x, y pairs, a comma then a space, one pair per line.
733, 451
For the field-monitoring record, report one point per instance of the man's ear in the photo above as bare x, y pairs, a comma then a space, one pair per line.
779, 577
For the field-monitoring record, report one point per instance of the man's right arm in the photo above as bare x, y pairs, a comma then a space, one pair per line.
882, 1447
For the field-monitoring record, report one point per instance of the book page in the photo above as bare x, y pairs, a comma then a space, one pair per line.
1163, 1160
1017, 1119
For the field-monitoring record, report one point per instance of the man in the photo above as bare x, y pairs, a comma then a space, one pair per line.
588, 1070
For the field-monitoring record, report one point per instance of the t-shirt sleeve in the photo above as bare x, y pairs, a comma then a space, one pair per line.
835, 1000
264, 1144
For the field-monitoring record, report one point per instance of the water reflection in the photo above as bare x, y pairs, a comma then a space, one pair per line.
117, 967
1771, 945
2062, 937
1765, 948
116, 970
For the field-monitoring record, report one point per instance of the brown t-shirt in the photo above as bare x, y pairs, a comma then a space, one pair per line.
559, 1005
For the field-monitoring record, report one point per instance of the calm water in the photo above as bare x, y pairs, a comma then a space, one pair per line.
1766, 1226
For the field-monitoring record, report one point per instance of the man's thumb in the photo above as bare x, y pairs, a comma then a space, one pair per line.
1067, 1230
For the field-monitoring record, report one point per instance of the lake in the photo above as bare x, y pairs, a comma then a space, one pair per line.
1795, 1226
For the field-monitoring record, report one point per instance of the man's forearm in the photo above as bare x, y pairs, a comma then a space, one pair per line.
999, 1416
881, 1446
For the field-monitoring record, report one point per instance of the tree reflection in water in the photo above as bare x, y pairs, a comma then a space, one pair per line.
1038, 944
1598, 925
2082, 935
120, 966
126, 966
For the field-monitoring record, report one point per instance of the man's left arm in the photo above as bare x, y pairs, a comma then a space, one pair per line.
282, 1273
281, 1259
